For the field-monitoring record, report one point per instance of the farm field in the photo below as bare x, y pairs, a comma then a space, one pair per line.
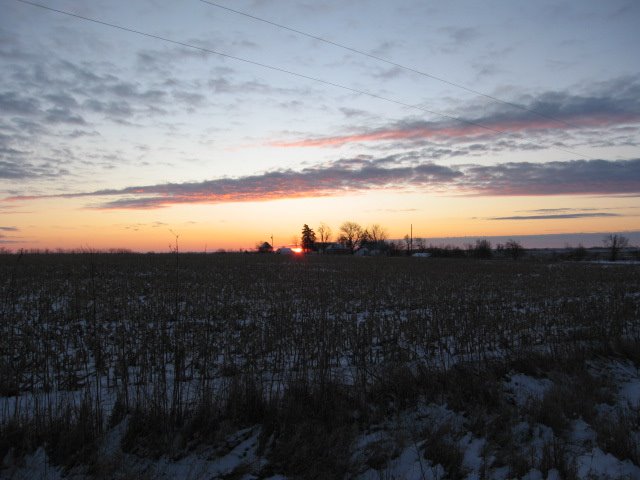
253, 366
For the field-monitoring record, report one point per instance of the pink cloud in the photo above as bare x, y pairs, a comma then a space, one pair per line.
440, 131
572, 177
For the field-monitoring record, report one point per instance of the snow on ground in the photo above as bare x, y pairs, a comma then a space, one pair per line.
617, 262
630, 391
35, 466
473, 457
524, 388
397, 448
582, 434
597, 464
408, 465
589, 460
630, 383
242, 460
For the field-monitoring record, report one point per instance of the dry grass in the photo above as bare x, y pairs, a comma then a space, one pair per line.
184, 347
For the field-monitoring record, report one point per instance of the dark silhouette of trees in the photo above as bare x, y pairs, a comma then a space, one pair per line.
513, 249
578, 253
350, 235
308, 238
482, 249
377, 233
408, 241
374, 238
446, 251
615, 243
324, 232
365, 239
264, 247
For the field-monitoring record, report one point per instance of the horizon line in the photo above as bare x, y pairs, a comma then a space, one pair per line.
433, 242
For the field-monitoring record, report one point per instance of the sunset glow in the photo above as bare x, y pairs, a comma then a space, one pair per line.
121, 123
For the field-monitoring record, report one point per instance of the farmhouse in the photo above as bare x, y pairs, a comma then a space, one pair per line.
265, 248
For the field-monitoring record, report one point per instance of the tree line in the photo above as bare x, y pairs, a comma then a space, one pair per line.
352, 237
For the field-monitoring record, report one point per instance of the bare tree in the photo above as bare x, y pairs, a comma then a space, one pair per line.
377, 233
409, 244
482, 248
514, 249
324, 232
615, 243
350, 235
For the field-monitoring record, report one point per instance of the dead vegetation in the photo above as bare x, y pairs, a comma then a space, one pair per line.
313, 349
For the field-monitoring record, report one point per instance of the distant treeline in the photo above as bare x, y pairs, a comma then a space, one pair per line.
615, 247
4, 250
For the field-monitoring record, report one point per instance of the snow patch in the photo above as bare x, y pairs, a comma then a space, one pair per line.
36, 466
604, 465
524, 388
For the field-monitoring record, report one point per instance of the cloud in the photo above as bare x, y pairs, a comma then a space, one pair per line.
7, 209
223, 84
457, 37
4, 239
388, 73
354, 112
62, 100
385, 48
396, 210
485, 69
340, 177
13, 170
551, 210
398, 172
311, 182
573, 177
64, 115
47, 103
48, 90
189, 98
560, 216
569, 210
132, 91
616, 103
111, 108
14, 103
16, 169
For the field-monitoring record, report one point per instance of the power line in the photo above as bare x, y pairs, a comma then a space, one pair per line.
389, 62
279, 69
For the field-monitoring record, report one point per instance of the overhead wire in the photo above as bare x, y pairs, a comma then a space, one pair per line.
281, 70
389, 62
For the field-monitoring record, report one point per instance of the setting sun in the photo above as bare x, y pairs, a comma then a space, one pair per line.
253, 132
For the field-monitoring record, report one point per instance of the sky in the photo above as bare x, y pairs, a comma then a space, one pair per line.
126, 124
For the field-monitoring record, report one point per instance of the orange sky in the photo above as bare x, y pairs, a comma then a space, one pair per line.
121, 122
64, 223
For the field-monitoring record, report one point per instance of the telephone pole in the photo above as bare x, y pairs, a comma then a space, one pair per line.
411, 241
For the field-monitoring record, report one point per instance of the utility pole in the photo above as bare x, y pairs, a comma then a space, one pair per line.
273, 247
411, 241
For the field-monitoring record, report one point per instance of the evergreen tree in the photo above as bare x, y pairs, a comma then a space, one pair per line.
308, 238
